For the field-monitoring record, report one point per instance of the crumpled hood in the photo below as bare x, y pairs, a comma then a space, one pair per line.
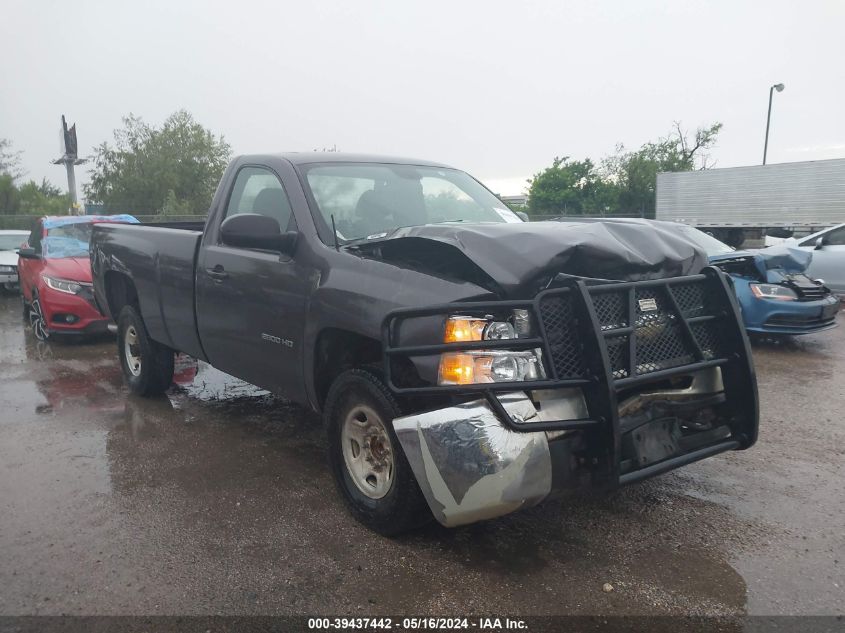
790, 259
775, 262
518, 257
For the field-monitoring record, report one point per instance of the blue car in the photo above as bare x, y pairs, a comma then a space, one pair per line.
775, 294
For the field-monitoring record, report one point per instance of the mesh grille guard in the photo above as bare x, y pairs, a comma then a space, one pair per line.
606, 338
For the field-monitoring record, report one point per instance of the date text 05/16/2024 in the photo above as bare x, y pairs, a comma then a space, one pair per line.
414, 624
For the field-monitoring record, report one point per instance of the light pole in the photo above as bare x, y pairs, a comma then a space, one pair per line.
70, 159
779, 88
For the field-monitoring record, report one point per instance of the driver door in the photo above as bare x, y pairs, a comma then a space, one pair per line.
251, 302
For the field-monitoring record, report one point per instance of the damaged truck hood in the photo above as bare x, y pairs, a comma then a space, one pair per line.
518, 259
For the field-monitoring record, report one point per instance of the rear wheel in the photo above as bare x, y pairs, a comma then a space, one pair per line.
368, 464
147, 365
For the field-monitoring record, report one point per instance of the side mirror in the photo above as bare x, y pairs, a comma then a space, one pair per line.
28, 253
251, 230
819, 244
523, 216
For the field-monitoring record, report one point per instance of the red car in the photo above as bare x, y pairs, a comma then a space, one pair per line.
55, 276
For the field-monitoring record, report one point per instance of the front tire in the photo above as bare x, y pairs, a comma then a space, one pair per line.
37, 319
147, 365
367, 462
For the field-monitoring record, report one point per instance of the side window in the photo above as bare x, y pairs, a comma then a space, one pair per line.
258, 190
831, 238
836, 237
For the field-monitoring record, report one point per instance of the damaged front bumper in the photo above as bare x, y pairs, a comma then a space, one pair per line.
629, 411
470, 466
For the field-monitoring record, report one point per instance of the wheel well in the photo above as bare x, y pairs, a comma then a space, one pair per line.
120, 291
338, 350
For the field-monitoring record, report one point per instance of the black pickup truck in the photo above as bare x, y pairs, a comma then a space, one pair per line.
466, 363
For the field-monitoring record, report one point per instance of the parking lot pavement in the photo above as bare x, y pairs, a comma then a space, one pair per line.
216, 499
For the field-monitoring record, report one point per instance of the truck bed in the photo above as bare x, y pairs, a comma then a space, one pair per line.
160, 260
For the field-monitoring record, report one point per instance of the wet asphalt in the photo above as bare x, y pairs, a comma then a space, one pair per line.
216, 500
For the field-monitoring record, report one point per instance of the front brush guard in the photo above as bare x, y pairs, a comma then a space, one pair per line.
609, 339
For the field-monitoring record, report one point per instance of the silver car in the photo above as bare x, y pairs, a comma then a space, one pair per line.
828, 263
10, 242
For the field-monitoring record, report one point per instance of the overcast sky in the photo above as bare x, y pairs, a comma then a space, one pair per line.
495, 87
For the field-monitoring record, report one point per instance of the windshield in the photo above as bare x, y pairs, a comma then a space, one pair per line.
70, 240
708, 243
11, 242
371, 199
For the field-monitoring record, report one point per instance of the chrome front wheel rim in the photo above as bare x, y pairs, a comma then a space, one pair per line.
132, 351
37, 321
367, 452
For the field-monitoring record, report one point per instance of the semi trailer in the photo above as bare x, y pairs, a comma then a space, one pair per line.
739, 203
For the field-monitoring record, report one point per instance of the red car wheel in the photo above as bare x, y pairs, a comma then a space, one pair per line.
37, 320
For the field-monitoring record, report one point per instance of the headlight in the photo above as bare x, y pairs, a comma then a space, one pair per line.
773, 291
63, 285
472, 368
7, 269
487, 366
467, 328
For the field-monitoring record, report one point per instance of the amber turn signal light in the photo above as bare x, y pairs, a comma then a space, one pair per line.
456, 369
462, 329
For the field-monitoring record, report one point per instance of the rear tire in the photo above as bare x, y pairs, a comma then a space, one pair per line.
147, 365
367, 462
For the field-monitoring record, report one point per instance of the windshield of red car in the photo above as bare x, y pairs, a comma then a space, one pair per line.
70, 240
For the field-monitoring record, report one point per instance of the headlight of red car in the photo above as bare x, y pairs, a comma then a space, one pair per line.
63, 285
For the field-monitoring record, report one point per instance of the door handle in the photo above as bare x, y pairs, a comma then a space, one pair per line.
218, 273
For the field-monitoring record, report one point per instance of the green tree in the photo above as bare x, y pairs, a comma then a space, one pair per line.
570, 187
10, 160
635, 173
30, 197
173, 206
10, 197
43, 199
157, 170
625, 183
